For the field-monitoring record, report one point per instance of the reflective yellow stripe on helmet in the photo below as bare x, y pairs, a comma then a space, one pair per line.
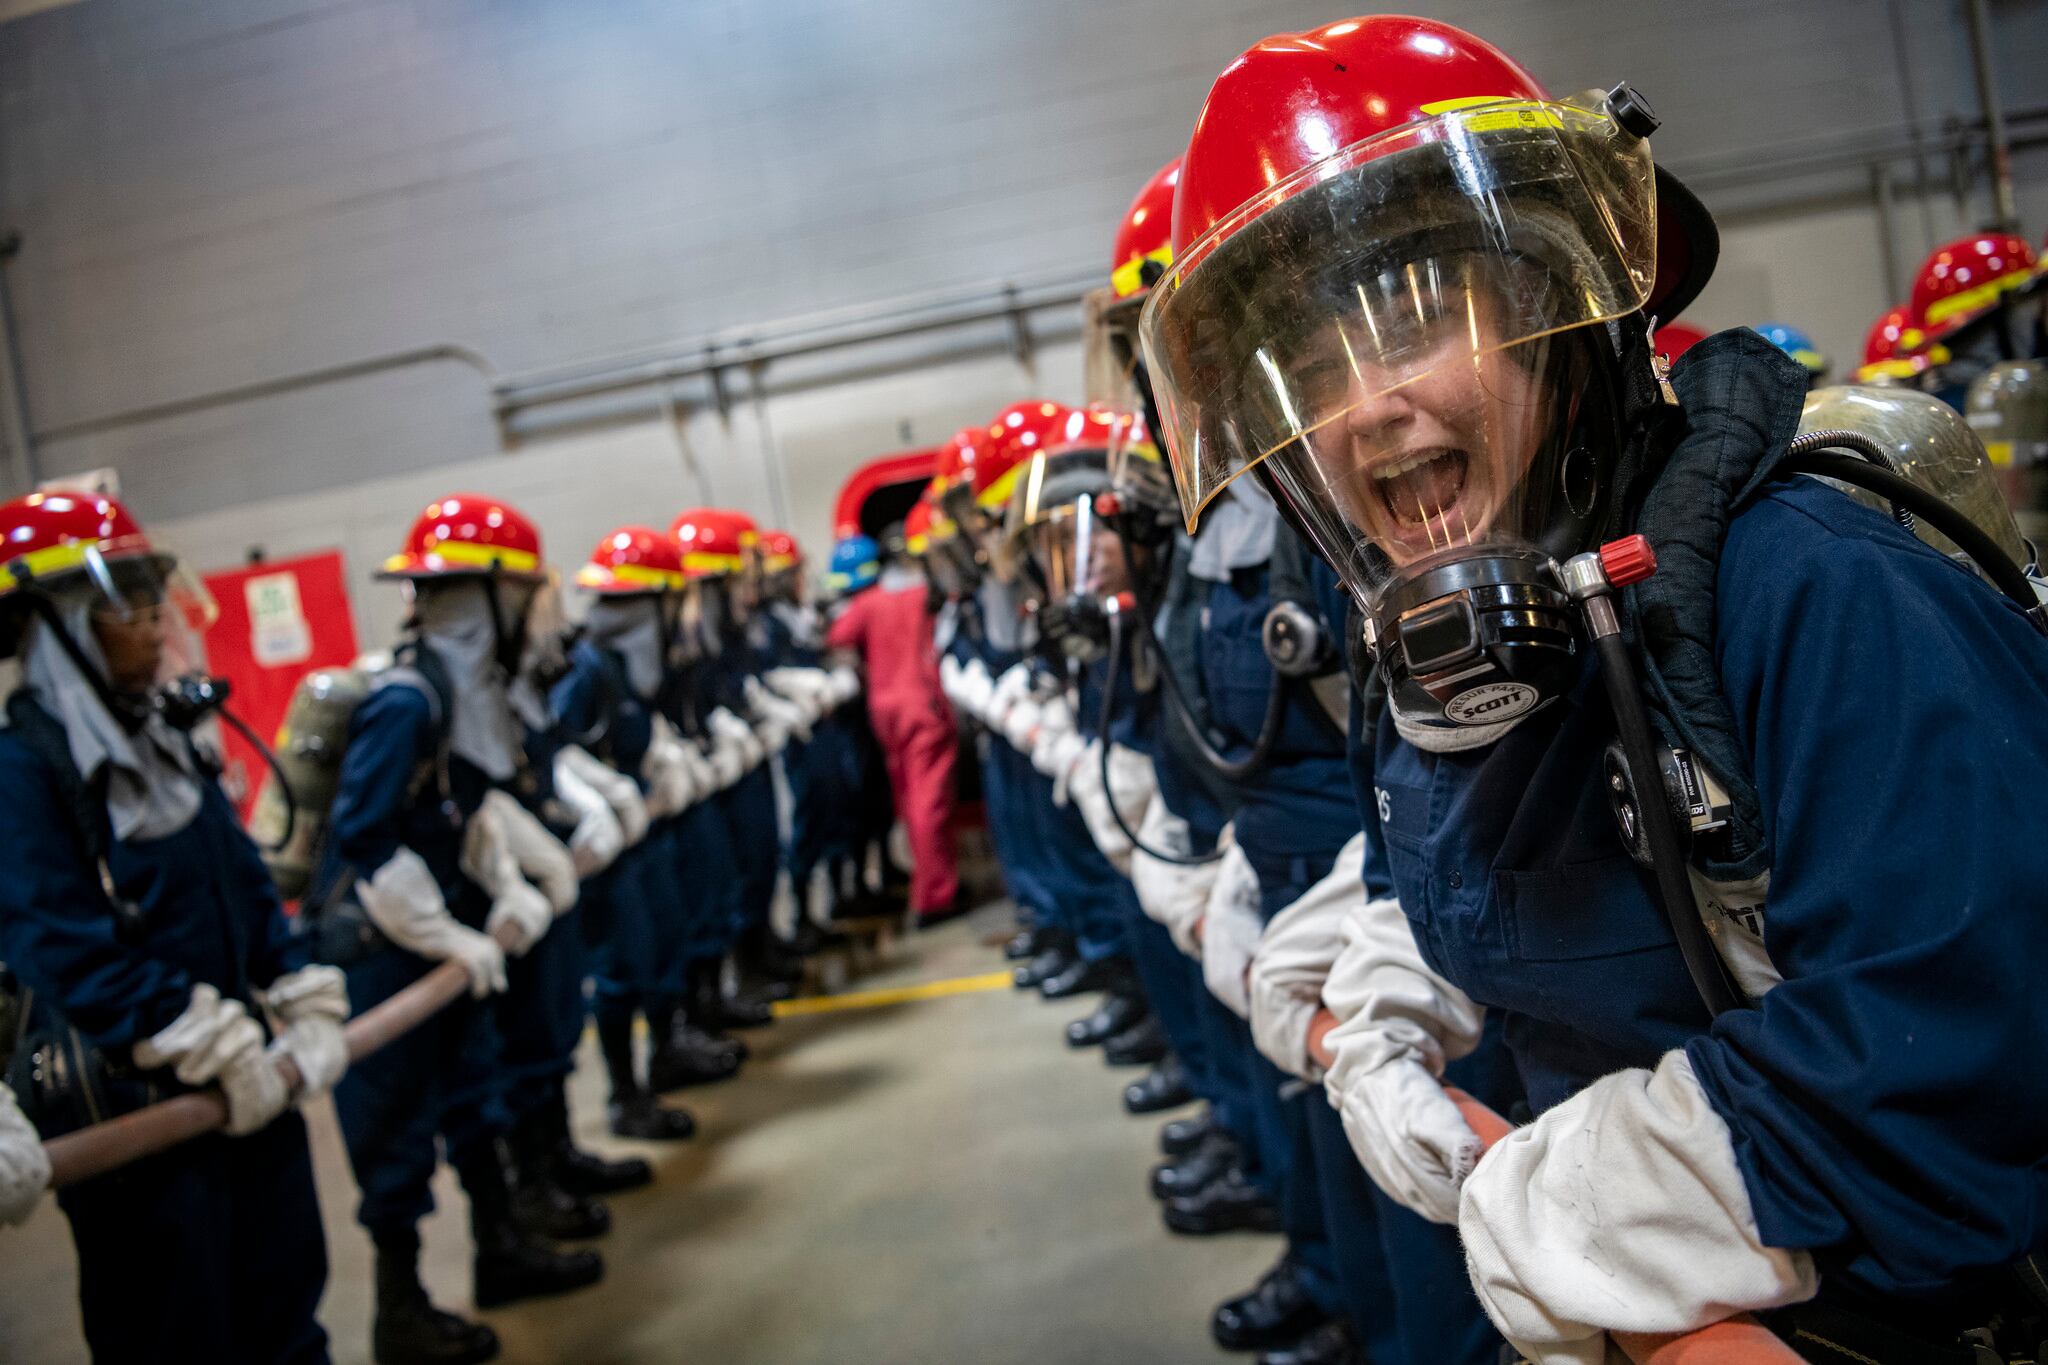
1970, 300
48, 560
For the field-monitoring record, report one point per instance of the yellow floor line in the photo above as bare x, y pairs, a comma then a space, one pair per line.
894, 995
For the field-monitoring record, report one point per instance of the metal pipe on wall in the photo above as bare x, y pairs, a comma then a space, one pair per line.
771, 449
2003, 202
23, 471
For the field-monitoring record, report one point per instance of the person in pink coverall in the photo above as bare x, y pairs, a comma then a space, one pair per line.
890, 628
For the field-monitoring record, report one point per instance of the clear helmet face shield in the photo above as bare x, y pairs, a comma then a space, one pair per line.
544, 653
149, 617
1401, 337
950, 565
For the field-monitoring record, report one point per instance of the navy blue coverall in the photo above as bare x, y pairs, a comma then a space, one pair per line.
212, 1250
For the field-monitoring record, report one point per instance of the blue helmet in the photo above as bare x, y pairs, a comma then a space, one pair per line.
1798, 345
856, 564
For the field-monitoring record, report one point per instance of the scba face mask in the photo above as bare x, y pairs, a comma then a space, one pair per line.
1409, 347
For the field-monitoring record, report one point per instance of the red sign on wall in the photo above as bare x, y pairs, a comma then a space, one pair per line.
278, 622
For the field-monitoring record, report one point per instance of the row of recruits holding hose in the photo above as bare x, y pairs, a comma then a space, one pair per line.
495, 776
1680, 827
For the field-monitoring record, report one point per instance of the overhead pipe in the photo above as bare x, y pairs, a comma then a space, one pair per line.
2006, 206
19, 435
272, 388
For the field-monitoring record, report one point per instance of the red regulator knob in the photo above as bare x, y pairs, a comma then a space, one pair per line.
1628, 560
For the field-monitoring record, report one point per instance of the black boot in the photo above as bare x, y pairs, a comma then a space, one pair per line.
1334, 1343
409, 1330
1165, 1086
1187, 1174
634, 1112
1181, 1136
746, 1007
1142, 1044
1043, 968
581, 1172
511, 1263
1117, 1012
539, 1202
1274, 1312
685, 1054
1024, 945
1229, 1203
763, 956
1082, 976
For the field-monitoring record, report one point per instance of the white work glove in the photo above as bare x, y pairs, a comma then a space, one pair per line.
1172, 894
809, 688
1295, 955
728, 764
24, 1165
704, 780
1231, 927
1055, 752
216, 1042
520, 913
845, 684
772, 733
405, 904
543, 859
950, 672
1020, 724
1133, 784
1012, 690
778, 708
1621, 1209
598, 838
1399, 1024
311, 1005
728, 729
619, 791
670, 789
977, 689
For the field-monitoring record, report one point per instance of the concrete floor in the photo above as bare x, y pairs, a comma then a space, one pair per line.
939, 1180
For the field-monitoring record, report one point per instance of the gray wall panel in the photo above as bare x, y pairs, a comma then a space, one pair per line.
216, 191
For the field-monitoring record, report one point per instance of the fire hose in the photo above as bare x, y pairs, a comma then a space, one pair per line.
1740, 1340
107, 1146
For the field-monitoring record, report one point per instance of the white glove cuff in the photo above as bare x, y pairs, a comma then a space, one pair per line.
1621, 1209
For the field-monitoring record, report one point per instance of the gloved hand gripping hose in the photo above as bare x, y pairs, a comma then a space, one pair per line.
1109, 680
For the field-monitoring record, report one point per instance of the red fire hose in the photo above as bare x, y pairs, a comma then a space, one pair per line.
107, 1146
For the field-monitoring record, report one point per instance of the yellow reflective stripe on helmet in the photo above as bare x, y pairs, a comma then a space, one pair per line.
1970, 300
1128, 278
917, 545
1506, 113
703, 561
777, 563
48, 560
470, 553
600, 576
998, 493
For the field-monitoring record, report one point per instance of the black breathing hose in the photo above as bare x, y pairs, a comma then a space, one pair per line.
1810, 454
291, 802
1660, 826
1109, 681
